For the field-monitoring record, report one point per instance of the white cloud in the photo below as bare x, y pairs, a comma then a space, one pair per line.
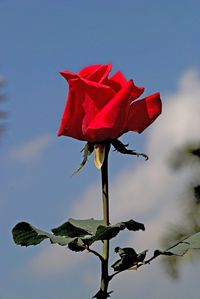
180, 119
30, 149
149, 192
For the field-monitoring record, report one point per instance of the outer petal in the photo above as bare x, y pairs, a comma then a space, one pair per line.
88, 70
96, 73
71, 123
95, 98
136, 92
110, 122
117, 81
143, 112
68, 75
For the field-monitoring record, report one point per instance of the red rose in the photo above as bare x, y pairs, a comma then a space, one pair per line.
100, 108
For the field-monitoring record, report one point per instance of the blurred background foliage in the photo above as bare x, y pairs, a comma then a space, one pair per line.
188, 155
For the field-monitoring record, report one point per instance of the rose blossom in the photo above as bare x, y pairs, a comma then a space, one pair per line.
101, 108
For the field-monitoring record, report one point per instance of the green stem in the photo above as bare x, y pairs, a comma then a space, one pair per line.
105, 200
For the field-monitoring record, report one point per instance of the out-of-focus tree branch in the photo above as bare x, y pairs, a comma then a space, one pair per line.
190, 222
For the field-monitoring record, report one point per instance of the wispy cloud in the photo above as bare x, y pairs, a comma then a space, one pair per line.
148, 193
30, 149
54, 259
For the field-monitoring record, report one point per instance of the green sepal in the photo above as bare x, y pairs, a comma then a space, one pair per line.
87, 151
122, 148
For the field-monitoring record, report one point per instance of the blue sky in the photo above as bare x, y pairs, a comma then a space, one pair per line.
156, 43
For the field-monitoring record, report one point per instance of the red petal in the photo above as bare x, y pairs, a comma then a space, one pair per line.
117, 81
69, 75
71, 123
136, 92
95, 98
110, 122
143, 112
86, 71
96, 73
100, 74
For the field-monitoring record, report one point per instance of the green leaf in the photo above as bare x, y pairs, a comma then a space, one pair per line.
123, 264
77, 234
108, 232
129, 258
25, 234
91, 230
77, 245
78, 228
133, 225
180, 248
90, 225
125, 251
69, 230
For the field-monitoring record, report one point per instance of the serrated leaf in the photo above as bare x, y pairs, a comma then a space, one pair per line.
133, 225
123, 264
78, 228
69, 230
180, 248
90, 225
108, 232
125, 251
25, 234
77, 234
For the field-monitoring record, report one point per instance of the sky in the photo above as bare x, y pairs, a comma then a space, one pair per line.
156, 44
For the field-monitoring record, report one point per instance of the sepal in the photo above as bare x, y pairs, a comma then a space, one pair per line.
99, 154
87, 151
122, 148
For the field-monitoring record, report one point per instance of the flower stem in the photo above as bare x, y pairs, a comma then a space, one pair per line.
105, 201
